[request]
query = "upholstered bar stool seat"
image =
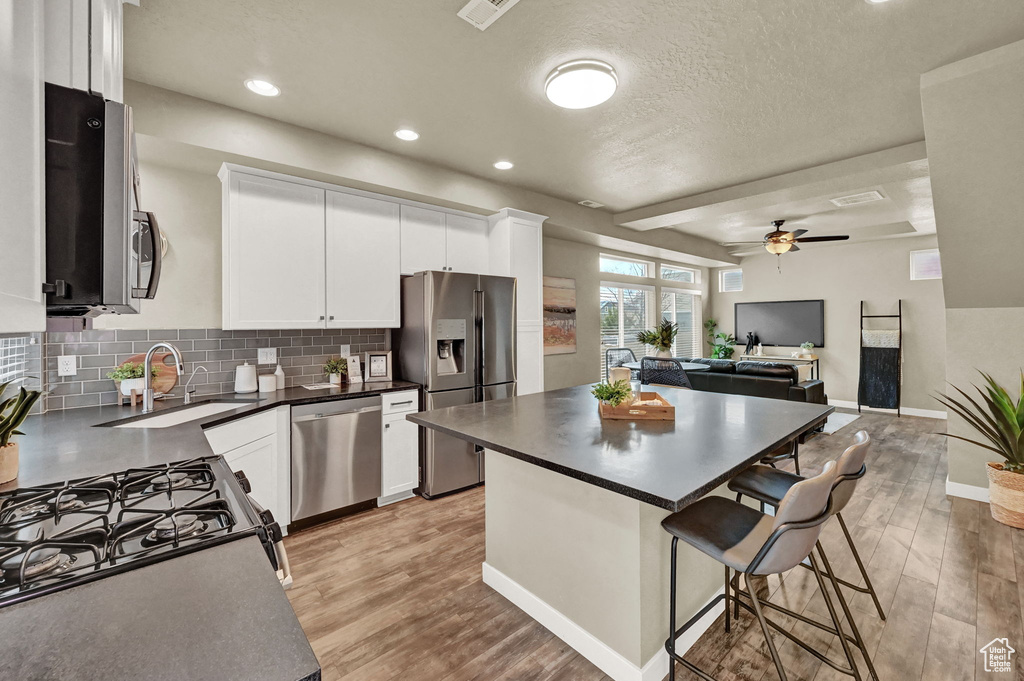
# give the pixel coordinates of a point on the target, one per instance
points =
(764, 483)
(730, 533)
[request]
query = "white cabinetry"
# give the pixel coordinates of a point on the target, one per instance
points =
(260, 447)
(400, 446)
(84, 46)
(437, 240)
(273, 259)
(363, 249)
(516, 250)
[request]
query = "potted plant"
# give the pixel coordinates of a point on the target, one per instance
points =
(612, 394)
(336, 368)
(806, 347)
(1000, 420)
(661, 338)
(132, 376)
(721, 343)
(13, 412)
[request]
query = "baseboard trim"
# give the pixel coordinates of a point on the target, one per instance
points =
(906, 411)
(607, 660)
(959, 489)
(395, 498)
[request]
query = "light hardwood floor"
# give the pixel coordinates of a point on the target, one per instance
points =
(396, 592)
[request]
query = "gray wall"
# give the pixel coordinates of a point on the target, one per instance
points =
(877, 272)
(974, 126)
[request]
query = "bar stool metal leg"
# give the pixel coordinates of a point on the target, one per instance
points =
(849, 615)
(860, 565)
(752, 590)
(727, 622)
(835, 618)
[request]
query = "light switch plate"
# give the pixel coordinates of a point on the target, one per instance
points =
(67, 365)
(345, 350)
(266, 356)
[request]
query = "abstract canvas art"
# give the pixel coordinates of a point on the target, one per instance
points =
(559, 316)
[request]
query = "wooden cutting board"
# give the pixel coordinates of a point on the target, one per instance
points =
(168, 378)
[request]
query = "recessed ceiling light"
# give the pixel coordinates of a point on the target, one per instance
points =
(875, 2)
(581, 84)
(406, 134)
(262, 87)
(504, 165)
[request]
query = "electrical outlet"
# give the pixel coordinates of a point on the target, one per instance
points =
(345, 350)
(266, 356)
(67, 365)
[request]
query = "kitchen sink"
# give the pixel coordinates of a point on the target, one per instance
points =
(184, 415)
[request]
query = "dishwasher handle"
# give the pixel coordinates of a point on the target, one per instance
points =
(327, 415)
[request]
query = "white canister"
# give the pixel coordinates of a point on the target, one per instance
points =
(279, 377)
(616, 374)
(268, 383)
(245, 378)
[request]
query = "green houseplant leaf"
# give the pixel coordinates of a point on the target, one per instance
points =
(14, 411)
(611, 393)
(996, 416)
(660, 338)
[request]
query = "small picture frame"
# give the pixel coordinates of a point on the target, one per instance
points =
(355, 374)
(378, 366)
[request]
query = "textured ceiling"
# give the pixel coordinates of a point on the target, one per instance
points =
(712, 92)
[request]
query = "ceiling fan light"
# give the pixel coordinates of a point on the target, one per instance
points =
(778, 247)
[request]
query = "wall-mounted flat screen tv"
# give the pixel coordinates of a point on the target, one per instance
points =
(786, 323)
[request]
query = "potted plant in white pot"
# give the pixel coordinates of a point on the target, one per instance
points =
(1000, 420)
(336, 369)
(661, 338)
(13, 412)
(806, 347)
(132, 376)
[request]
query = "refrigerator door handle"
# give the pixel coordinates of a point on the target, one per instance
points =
(479, 315)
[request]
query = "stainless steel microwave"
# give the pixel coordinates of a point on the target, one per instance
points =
(102, 252)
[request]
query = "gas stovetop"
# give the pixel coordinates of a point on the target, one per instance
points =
(65, 534)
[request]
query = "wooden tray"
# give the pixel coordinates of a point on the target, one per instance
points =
(627, 412)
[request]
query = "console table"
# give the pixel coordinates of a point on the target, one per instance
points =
(804, 359)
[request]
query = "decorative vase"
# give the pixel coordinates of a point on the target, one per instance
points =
(8, 462)
(335, 379)
(130, 384)
(663, 353)
(1006, 495)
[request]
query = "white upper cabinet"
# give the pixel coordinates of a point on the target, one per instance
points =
(84, 46)
(363, 256)
(424, 241)
(468, 248)
(273, 254)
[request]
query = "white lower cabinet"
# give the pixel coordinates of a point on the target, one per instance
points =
(400, 447)
(259, 446)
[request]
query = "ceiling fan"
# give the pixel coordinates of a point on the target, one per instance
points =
(779, 242)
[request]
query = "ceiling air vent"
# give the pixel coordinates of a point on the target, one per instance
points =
(591, 204)
(857, 199)
(483, 13)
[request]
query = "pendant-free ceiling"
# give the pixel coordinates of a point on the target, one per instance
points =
(581, 84)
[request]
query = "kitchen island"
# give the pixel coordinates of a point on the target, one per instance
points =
(574, 507)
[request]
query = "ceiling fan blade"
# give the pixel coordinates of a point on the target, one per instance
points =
(793, 249)
(743, 243)
(795, 233)
(811, 239)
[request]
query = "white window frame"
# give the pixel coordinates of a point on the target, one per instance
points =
(928, 251)
(648, 264)
(721, 280)
(691, 270)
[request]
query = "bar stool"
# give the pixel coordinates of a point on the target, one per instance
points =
(752, 543)
(769, 486)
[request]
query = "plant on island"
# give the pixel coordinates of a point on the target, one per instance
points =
(660, 338)
(612, 394)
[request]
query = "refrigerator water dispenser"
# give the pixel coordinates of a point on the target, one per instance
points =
(451, 346)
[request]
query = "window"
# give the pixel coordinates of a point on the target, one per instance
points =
(613, 264)
(730, 281)
(925, 265)
(13, 358)
(680, 274)
(684, 308)
(625, 312)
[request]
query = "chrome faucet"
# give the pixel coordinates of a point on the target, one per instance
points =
(190, 390)
(147, 394)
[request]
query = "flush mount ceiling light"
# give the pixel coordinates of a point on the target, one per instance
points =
(875, 2)
(262, 87)
(406, 134)
(581, 84)
(504, 165)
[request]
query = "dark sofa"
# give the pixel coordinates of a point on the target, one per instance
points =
(777, 380)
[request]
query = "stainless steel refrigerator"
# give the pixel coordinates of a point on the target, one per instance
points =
(458, 340)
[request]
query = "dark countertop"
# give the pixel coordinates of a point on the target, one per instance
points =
(63, 445)
(663, 463)
(154, 623)
(216, 613)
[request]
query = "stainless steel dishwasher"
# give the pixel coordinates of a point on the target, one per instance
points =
(335, 455)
